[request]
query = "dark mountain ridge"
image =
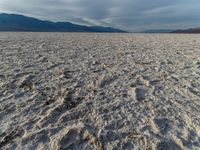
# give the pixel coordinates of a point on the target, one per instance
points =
(191, 30)
(14, 22)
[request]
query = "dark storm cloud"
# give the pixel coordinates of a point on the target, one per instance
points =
(132, 15)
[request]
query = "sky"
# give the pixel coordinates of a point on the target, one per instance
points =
(130, 15)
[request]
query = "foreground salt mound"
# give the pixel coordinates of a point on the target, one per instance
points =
(99, 91)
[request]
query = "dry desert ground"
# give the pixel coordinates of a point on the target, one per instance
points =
(103, 91)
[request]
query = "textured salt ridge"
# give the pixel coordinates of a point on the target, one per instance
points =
(99, 91)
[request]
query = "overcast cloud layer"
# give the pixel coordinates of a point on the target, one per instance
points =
(132, 15)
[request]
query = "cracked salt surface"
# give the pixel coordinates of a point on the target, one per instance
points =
(99, 91)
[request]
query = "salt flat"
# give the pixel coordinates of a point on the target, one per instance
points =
(99, 91)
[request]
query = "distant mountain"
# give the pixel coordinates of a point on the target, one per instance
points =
(158, 31)
(14, 22)
(192, 30)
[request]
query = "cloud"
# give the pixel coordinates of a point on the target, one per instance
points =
(133, 15)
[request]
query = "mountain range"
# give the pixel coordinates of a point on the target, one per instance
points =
(15, 22)
(192, 30)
